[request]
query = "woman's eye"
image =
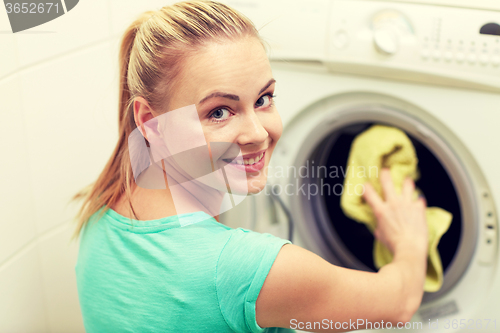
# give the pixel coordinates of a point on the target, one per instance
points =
(265, 100)
(220, 115)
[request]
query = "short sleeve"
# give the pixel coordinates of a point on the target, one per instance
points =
(242, 268)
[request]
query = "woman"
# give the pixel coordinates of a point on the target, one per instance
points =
(152, 258)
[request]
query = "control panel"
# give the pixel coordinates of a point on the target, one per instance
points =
(423, 42)
(438, 42)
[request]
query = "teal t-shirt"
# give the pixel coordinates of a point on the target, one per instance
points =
(184, 273)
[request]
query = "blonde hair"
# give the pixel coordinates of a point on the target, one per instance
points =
(151, 53)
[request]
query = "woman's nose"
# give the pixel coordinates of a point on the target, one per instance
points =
(252, 130)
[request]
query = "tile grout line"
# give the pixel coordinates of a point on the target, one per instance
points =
(32, 243)
(44, 289)
(56, 57)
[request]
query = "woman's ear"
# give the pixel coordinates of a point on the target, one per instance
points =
(143, 114)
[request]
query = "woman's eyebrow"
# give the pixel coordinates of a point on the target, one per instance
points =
(267, 86)
(233, 97)
(220, 94)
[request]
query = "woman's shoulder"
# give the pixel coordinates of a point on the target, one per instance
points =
(247, 241)
(147, 205)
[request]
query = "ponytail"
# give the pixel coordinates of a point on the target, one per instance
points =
(107, 188)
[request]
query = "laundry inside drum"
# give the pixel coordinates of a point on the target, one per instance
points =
(355, 241)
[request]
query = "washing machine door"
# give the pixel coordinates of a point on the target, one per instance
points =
(319, 141)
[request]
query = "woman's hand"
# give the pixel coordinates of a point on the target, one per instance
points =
(302, 287)
(401, 220)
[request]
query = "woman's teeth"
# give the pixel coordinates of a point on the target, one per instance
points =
(248, 161)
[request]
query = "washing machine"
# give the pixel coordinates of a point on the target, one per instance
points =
(431, 69)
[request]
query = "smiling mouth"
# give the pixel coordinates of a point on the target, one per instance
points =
(245, 161)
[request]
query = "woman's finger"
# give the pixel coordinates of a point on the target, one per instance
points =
(408, 189)
(372, 198)
(387, 184)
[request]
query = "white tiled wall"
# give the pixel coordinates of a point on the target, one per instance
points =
(18, 225)
(59, 105)
(22, 299)
(8, 51)
(9, 63)
(87, 24)
(124, 12)
(57, 256)
(68, 106)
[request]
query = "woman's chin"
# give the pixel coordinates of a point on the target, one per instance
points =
(251, 186)
(256, 185)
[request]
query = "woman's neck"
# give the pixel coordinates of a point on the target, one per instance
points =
(158, 196)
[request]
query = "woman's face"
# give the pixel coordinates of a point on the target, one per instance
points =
(232, 87)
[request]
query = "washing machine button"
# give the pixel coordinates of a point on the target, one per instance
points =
(495, 60)
(472, 58)
(425, 54)
(436, 55)
(448, 56)
(460, 57)
(484, 59)
(487, 253)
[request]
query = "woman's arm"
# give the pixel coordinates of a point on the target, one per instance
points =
(301, 287)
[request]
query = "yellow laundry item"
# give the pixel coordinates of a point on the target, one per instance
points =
(388, 147)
